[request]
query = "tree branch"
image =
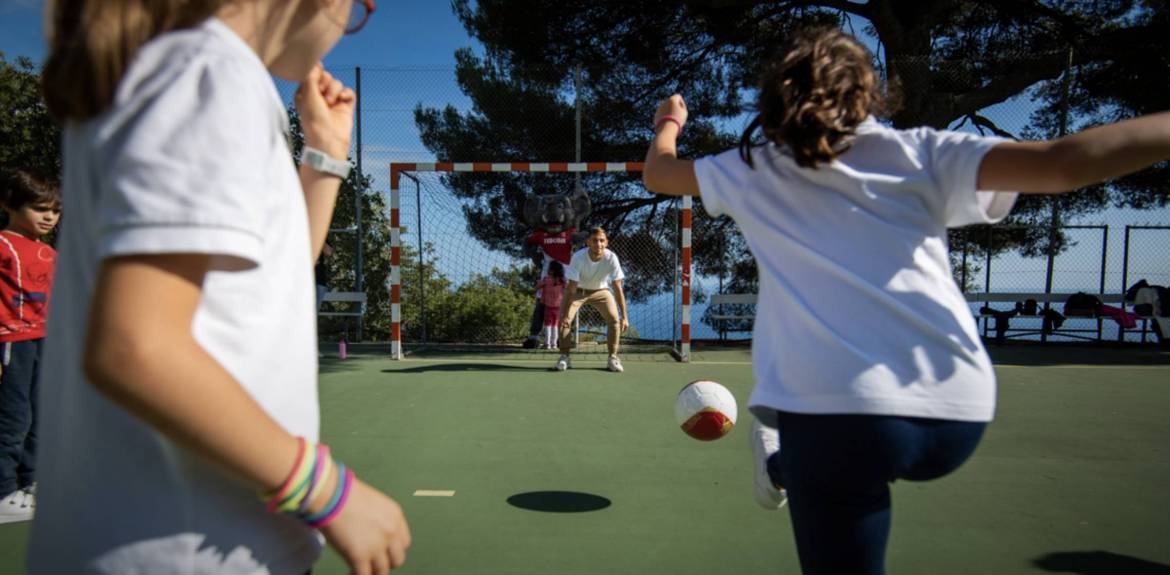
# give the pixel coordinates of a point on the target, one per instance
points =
(984, 122)
(1004, 87)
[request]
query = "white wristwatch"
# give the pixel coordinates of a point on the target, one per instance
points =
(321, 162)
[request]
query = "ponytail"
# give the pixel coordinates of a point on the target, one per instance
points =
(92, 42)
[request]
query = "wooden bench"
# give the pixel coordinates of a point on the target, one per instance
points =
(356, 301)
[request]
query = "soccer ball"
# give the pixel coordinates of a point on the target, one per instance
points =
(705, 410)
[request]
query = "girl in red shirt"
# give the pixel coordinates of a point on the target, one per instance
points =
(552, 291)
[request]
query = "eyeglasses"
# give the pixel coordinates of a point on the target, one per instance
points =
(359, 15)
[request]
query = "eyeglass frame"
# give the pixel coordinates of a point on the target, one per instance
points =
(369, 7)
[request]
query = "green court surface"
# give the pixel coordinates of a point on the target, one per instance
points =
(586, 472)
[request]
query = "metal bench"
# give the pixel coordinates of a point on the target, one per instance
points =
(1047, 301)
(731, 299)
(349, 297)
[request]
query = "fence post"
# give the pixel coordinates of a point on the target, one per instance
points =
(987, 270)
(686, 279)
(676, 304)
(357, 197)
(963, 267)
(422, 290)
(1054, 224)
(1124, 274)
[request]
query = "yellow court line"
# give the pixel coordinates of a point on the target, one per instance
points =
(433, 493)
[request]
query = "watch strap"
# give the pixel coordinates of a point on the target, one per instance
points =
(324, 163)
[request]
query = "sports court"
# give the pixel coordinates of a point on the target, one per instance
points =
(586, 472)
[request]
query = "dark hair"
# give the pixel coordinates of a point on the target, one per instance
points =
(813, 95)
(556, 270)
(19, 188)
(598, 230)
(92, 42)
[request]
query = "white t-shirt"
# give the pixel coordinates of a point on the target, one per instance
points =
(591, 274)
(192, 158)
(858, 311)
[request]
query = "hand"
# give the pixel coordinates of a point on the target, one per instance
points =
(371, 533)
(326, 108)
(566, 324)
(625, 324)
(674, 107)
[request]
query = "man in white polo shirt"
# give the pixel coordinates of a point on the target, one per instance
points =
(591, 273)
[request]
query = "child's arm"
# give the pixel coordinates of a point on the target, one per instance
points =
(326, 111)
(1071, 162)
(141, 354)
(663, 172)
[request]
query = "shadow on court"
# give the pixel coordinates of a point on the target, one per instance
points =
(1108, 353)
(559, 501)
(465, 367)
(1098, 563)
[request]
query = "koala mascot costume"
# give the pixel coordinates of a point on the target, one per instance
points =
(554, 220)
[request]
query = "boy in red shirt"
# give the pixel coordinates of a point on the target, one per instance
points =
(26, 278)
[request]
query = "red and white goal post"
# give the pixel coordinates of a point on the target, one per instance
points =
(682, 345)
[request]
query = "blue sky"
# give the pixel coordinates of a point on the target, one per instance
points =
(419, 33)
(418, 38)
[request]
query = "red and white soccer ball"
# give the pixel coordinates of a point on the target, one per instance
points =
(705, 410)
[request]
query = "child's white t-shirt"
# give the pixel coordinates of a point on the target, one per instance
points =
(593, 275)
(858, 311)
(192, 158)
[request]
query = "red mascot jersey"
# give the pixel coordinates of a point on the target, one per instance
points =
(26, 277)
(558, 246)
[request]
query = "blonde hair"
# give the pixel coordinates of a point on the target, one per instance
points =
(92, 42)
(813, 96)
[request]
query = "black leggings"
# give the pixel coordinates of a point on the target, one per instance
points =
(837, 470)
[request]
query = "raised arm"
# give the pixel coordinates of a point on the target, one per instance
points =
(326, 110)
(663, 173)
(1078, 160)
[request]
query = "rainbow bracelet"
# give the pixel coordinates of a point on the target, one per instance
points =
(337, 503)
(294, 483)
(320, 478)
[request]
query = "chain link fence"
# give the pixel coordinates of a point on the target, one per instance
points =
(447, 255)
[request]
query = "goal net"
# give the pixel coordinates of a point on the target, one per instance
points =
(461, 275)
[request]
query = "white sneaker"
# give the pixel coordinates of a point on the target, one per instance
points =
(765, 442)
(17, 506)
(563, 363)
(615, 364)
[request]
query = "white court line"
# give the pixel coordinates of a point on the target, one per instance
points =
(433, 493)
(1084, 366)
(576, 359)
(700, 362)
